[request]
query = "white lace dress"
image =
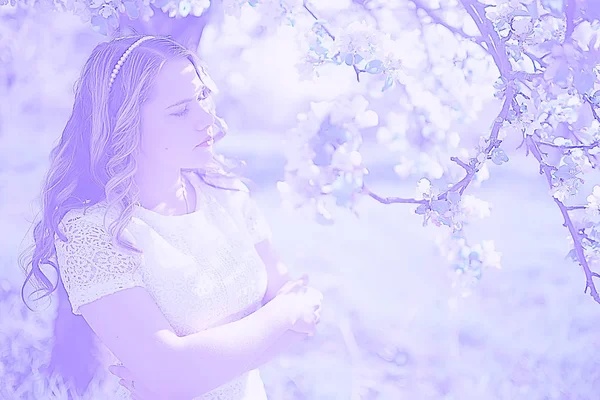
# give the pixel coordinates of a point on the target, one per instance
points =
(202, 268)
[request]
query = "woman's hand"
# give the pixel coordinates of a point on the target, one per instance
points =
(304, 304)
(137, 390)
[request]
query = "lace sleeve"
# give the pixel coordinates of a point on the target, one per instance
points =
(90, 265)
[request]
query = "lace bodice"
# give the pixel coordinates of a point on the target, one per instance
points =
(202, 268)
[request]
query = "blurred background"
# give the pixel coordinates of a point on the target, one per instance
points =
(393, 327)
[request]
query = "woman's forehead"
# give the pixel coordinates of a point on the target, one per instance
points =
(179, 76)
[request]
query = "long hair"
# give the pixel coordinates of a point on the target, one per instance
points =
(94, 161)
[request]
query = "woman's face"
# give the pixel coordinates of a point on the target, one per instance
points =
(176, 122)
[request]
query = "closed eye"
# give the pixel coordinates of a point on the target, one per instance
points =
(205, 92)
(182, 113)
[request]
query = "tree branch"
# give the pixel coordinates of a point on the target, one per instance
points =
(576, 146)
(466, 167)
(459, 32)
(546, 169)
(305, 5)
(570, 14)
(535, 59)
(496, 47)
(391, 200)
(501, 58)
(592, 107)
(187, 31)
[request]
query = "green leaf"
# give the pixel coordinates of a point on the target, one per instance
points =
(319, 50)
(440, 206)
(563, 172)
(561, 77)
(584, 81)
(570, 161)
(389, 82)
(352, 59)
(445, 221)
(572, 255)
(99, 24)
(596, 97)
(337, 59)
(532, 9)
(555, 6)
(113, 22)
(422, 209)
(349, 59)
(453, 197)
(131, 9)
(374, 67)
(499, 157)
(521, 13)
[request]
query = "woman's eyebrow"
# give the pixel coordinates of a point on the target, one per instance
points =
(180, 102)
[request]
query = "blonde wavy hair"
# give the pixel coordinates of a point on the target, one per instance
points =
(94, 160)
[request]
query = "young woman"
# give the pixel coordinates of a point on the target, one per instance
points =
(160, 249)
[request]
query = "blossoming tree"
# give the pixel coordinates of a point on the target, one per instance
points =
(543, 56)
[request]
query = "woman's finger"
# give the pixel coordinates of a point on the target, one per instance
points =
(294, 285)
(304, 279)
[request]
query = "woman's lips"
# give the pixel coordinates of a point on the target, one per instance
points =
(208, 142)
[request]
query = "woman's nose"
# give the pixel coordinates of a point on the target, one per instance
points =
(204, 121)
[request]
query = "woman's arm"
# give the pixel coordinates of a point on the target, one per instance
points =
(277, 272)
(278, 276)
(181, 367)
(282, 344)
(275, 344)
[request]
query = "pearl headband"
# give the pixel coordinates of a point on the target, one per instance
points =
(117, 67)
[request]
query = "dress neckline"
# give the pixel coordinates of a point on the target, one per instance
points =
(200, 194)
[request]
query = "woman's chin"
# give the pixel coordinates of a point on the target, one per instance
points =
(201, 157)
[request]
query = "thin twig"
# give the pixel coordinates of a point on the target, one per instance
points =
(576, 146)
(535, 59)
(435, 18)
(568, 223)
(592, 107)
(391, 200)
(466, 167)
(570, 16)
(305, 5)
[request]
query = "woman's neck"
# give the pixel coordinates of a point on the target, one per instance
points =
(165, 191)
